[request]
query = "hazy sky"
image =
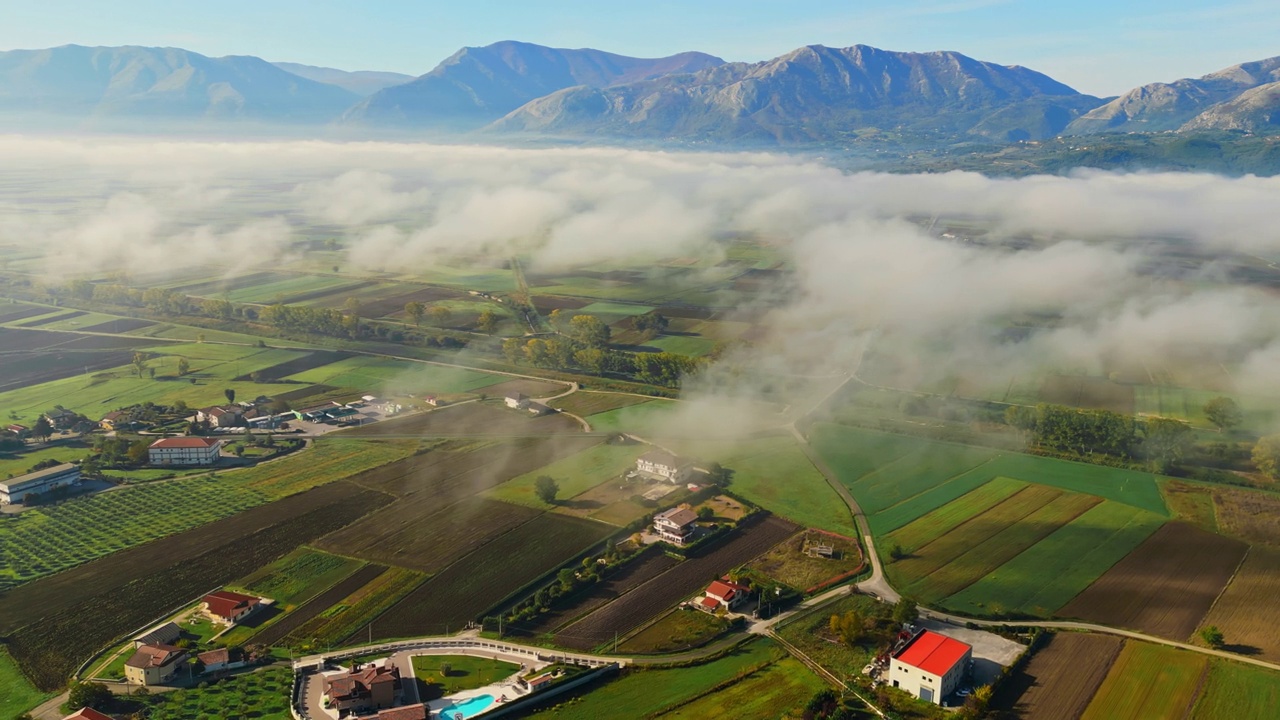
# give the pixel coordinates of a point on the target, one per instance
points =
(1097, 46)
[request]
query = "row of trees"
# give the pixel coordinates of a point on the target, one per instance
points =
(563, 353)
(1162, 441)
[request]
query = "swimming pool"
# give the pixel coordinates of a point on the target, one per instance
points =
(467, 708)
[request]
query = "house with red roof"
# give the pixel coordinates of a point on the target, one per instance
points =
(228, 607)
(722, 594)
(930, 666)
(371, 687)
(87, 713)
(184, 451)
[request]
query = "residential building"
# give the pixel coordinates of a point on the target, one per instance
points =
(221, 659)
(22, 431)
(113, 418)
(190, 450)
(221, 415)
(371, 687)
(154, 664)
(228, 607)
(729, 595)
(537, 409)
(61, 419)
(517, 401)
(664, 465)
(930, 666)
(676, 525)
(166, 634)
(14, 491)
(87, 714)
(538, 682)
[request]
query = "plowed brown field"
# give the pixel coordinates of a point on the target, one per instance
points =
(1248, 613)
(1060, 679)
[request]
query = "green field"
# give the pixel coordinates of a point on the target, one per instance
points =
(465, 672)
(270, 292)
(774, 473)
(17, 695)
(43, 541)
(12, 465)
(694, 346)
(646, 693)
(928, 527)
(644, 418)
(374, 374)
(299, 575)
(1235, 691)
(769, 693)
(897, 479)
(1148, 681)
(1048, 574)
(576, 474)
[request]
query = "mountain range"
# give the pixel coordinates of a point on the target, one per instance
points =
(814, 95)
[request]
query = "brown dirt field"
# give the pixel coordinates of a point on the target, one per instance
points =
(1060, 679)
(51, 319)
(679, 583)
(1165, 586)
(470, 419)
(1248, 613)
(318, 604)
(51, 340)
(546, 303)
(624, 580)
(19, 370)
(119, 325)
(532, 388)
(302, 363)
(1248, 514)
(11, 313)
(1087, 392)
(590, 403)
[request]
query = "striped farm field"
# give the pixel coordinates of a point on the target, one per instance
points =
(1236, 691)
(1149, 681)
(1048, 574)
(1248, 612)
(950, 516)
(977, 560)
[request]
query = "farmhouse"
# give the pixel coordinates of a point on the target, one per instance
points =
(371, 687)
(723, 594)
(113, 418)
(166, 634)
(930, 666)
(664, 465)
(228, 607)
(517, 401)
(537, 409)
(61, 419)
(221, 415)
(154, 664)
(87, 713)
(185, 451)
(14, 491)
(22, 431)
(676, 525)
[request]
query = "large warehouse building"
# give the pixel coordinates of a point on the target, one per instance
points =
(930, 666)
(14, 491)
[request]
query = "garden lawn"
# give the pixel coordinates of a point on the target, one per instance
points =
(1148, 681)
(17, 695)
(465, 672)
(1236, 691)
(1047, 575)
(575, 474)
(645, 693)
(767, 693)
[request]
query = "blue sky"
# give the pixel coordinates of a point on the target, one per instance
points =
(1096, 46)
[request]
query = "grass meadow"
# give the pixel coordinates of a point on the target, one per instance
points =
(17, 694)
(772, 691)
(1235, 691)
(575, 474)
(380, 375)
(1148, 681)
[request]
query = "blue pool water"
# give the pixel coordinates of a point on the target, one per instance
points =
(467, 708)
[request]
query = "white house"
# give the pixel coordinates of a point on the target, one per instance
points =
(723, 594)
(930, 666)
(517, 401)
(41, 481)
(675, 526)
(664, 465)
(221, 416)
(184, 451)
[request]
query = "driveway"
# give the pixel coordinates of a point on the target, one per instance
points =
(991, 653)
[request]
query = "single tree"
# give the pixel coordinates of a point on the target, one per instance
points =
(140, 362)
(230, 394)
(184, 367)
(42, 429)
(439, 315)
(1223, 412)
(152, 373)
(416, 311)
(589, 330)
(513, 350)
(905, 611)
(706, 513)
(487, 322)
(1211, 636)
(546, 488)
(88, 695)
(1165, 441)
(1266, 455)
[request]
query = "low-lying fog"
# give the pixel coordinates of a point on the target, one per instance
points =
(1119, 270)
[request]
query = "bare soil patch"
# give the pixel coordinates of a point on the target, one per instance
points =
(302, 363)
(19, 370)
(532, 388)
(1165, 586)
(119, 325)
(1060, 679)
(52, 319)
(476, 419)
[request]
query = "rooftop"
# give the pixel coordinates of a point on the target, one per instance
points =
(662, 457)
(933, 653)
(39, 476)
(150, 656)
(679, 516)
(185, 442)
(87, 714)
(224, 603)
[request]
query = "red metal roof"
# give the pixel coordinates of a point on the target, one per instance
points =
(185, 442)
(87, 714)
(224, 603)
(933, 653)
(726, 590)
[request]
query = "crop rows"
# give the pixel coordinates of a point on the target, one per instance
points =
(1060, 679)
(352, 614)
(950, 516)
(318, 604)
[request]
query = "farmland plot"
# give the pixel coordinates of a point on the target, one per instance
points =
(679, 583)
(625, 579)
(1236, 691)
(1165, 586)
(318, 604)
(1060, 679)
(478, 581)
(1148, 681)
(299, 575)
(583, 403)
(1248, 612)
(470, 419)
(575, 474)
(353, 613)
(18, 370)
